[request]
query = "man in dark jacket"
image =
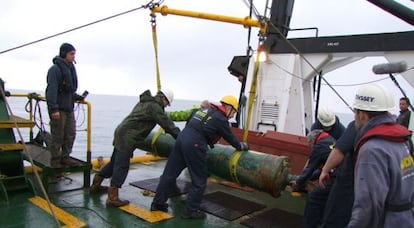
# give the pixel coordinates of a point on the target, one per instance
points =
(338, 207)
(329, 122)
(62, 83)
(322, 144)
(204, 129)
(404, 116)
(129, 135)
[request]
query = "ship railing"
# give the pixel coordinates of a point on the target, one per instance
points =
(36, 101)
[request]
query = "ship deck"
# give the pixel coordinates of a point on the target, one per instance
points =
(76, 207)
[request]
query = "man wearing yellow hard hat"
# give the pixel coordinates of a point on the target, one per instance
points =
(203, 129)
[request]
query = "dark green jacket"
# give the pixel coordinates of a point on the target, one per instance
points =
(133, 130)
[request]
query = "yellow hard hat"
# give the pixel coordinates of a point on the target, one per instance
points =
(230, 100)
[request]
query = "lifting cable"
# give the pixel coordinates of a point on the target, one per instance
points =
(76, 28)
(155, 42)
(240, 118)
(235, 156)
(234, 159)
(253, 88)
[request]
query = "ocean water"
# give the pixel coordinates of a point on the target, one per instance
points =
(107, 111)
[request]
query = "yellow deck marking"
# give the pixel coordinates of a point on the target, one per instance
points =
(64, 217)
(147, 215)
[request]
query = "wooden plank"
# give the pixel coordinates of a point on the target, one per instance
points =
(147, 215)
(64, 217)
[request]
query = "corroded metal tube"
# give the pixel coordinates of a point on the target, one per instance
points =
(264, 172)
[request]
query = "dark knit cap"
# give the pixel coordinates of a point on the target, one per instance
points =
(65, 48)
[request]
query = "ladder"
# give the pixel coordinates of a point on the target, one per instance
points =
(12, 173)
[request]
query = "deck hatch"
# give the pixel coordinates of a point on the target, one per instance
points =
(151, 185)
(274, 218)
(227, 206)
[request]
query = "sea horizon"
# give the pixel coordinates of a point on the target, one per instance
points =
(107, 112)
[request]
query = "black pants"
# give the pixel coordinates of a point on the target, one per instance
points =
(338, 208)
(315, 205)
(191, 152)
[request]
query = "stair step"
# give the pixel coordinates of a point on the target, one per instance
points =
(21, 122)
(11, 146)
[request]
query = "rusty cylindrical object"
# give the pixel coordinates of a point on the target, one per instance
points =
(264, 172)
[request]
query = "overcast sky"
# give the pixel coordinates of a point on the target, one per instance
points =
(117, 56)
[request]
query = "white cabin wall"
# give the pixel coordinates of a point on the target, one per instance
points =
(272, 88)
(277, 85)
(295, 111)
(286, 81)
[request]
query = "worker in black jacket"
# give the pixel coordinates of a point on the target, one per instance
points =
(204, 129)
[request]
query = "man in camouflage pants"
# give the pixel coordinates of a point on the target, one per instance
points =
(129, 135)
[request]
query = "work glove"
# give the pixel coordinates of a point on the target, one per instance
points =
(244, 146)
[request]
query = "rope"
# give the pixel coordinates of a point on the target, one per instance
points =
(76, 28)
(30, 157)
(234, 159)
(159, 132)
(253, 88)
(154, 39)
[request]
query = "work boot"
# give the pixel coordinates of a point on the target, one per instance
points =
(113, 199)
(159, 207)
(68, 162)
(96, 185)
(193, 214)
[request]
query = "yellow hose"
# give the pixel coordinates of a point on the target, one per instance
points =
(99, 162)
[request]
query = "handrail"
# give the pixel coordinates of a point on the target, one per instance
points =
(89, 121)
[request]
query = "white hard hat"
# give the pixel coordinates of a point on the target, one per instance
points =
(374, 97)
(326, 116)
(168, 94)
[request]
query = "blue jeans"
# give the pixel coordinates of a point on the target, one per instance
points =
(117, 168)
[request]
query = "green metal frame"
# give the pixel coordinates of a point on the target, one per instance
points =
(13, 176)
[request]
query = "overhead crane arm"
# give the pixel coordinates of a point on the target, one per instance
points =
(246, 21)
